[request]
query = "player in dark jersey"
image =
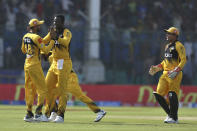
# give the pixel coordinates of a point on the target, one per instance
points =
(170, 80)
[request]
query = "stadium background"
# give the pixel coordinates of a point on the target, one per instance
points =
(131, 39)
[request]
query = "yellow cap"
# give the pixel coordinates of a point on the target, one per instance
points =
(35, 22)
(172, 30)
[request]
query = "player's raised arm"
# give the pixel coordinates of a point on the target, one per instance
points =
(42, 46)
(46, 39)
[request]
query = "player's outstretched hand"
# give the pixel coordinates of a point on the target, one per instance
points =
(154, 69)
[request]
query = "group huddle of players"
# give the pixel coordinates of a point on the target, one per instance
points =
(60, 79)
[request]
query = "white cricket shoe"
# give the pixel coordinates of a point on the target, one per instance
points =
(100, 115)
(171, 120)
(59, 119)
(167, 117)
(28, 119)
(52, 116)
(41, 118)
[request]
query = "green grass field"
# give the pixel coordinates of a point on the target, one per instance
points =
(117, 119)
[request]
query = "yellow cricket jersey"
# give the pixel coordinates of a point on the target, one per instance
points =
(50, 59)
(174, 56)
(31, 46)
(61, 49)
(46, 39)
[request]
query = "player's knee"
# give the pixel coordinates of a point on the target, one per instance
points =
(176, 91)
(172, 95)
(160, 93)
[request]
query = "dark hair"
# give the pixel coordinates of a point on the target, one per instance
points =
(61, 17)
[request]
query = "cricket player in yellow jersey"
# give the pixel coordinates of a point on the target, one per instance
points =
(60, 69)
(170, 80)
(32, 43)
(73, 88)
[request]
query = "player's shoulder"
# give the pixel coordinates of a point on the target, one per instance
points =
(179, 44)
(36, 38)
(26, 35)
(67, 32)
(31, 35)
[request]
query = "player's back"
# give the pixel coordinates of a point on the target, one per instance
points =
(30, 48)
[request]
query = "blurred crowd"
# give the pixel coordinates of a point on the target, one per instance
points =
(132, 36)
(154, 15)
(17, 13)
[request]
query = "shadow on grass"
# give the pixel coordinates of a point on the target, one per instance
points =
(127, 124)
(112, 123)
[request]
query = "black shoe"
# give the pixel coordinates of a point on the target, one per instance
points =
(29, 117)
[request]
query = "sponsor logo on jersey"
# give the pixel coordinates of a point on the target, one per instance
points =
(171, 48)
(168, 55)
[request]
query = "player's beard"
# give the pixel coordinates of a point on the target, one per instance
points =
(58, 28)
(38, 30)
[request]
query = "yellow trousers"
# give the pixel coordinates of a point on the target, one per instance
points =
(58, 77)
(167, 84)
(75, 90)
(35, 84)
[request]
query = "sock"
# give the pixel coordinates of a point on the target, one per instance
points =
(94, 107)
(30, 114)
(59, 113)
(39, 110)
(174, 105)
(160, 99)
(55, 108)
